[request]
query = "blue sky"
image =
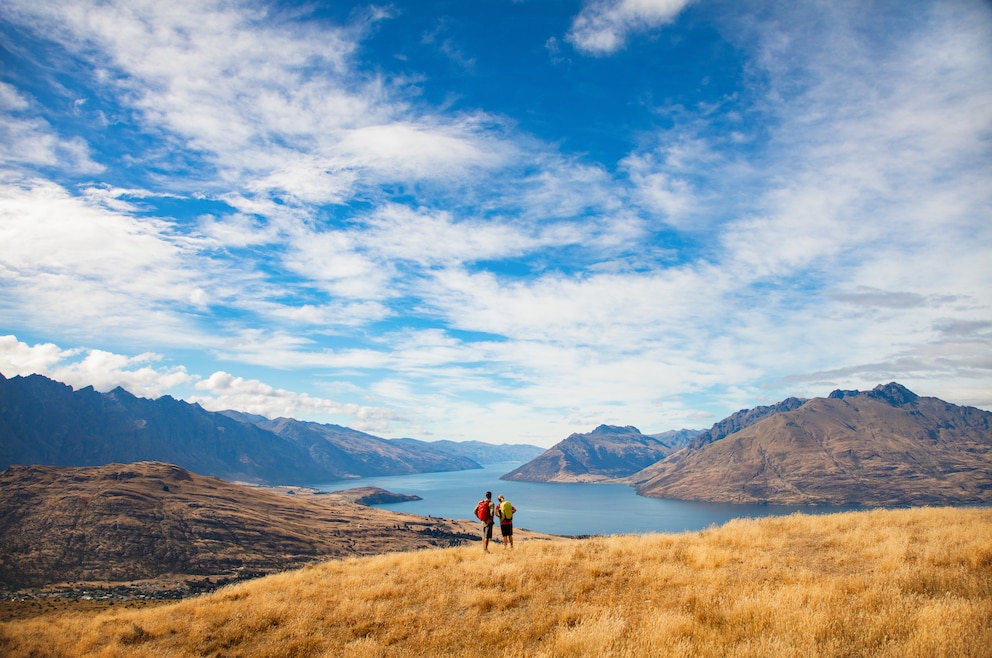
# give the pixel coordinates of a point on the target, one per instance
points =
(497, 220)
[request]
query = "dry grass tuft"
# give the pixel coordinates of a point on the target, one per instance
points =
(900, 583)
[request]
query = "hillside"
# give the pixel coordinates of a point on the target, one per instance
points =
(46, 422)
(732, 423)
(606, 453)
(148, 520)
(908, 583)
(887, 446)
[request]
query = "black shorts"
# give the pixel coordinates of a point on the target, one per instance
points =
(487, 530)
(506, 529)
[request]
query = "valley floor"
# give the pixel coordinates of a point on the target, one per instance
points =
(912, 582)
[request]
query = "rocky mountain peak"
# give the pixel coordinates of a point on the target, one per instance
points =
(892, 393)
(616, 429)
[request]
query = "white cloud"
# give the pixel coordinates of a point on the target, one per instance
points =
(332, 261)
(398, 232)
(45, 228)
(659, 190)
(27, 140)
(284, 350)
(603, 26)
(878, 155)
(69, 262)
(237, 84)
(17, 358)
(104, 371)
(225, 391)
(330, 318)
(97, 368)
(402, 150)
(238, 230)
(600, 310)
(561, 188)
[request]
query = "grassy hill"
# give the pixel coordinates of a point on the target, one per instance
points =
(915, 582)
(149, 520)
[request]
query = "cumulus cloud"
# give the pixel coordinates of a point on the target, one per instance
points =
(80, 367)
(17, 358)
(105, 370)
(603, 26)
(143, 375)
(224, 391)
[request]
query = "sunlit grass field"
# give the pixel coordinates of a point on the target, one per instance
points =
(915, 582)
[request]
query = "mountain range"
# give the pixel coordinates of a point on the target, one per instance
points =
(606, 453)
(480, 451)
(887, 446)
(43, 421)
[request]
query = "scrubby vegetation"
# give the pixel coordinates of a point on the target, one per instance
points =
(914, 582)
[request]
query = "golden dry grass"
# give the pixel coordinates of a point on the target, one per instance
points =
(914, 582)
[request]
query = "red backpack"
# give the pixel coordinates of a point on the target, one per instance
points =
(484, 511)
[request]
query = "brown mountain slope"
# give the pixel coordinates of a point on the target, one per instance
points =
(881, 447)
(148, 519)
(732, 423)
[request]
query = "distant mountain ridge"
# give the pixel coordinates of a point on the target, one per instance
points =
(484, 453)
(349, 451)
(43, 421)
(677, 439)
(606, 453)
(46, 422)
(887, 446)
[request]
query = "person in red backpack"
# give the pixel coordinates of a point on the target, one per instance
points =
(485, 511)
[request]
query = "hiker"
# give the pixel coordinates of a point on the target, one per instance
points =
(505, 511)
(485, 511)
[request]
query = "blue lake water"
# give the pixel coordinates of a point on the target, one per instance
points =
(561, 509)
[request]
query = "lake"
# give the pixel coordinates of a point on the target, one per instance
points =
(561, 509)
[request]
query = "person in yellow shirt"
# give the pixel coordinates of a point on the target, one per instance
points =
(505, 511)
